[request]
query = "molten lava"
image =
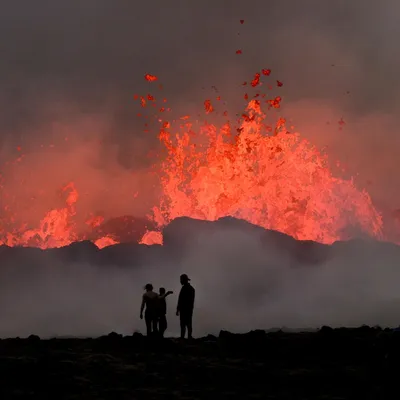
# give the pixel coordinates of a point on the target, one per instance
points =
(55, 229)
(246, 169)
(278, 181)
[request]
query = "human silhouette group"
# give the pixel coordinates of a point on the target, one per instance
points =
(154, 306)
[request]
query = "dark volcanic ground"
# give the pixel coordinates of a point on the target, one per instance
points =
(329, 364)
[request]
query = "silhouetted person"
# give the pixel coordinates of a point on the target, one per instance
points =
(150, 300)
(185, 306)
(162, 309)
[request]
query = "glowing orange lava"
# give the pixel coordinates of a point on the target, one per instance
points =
(248, 170)
(276, 180)
(56, 228)
(152, 237)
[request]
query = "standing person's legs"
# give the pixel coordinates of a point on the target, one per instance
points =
(183, 325)
(148, 320)
(189, 325)
(186, 323)
(158, 324)
(162, 324)
(154, 322)
(165, 322)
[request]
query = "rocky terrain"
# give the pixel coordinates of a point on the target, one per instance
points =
(328, 364)
(82, 290)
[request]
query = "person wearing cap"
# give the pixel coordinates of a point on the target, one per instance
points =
(185, 306)
(150, 300)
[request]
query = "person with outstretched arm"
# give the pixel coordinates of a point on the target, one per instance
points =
(150, 301)
(185, 306)
(162, 310)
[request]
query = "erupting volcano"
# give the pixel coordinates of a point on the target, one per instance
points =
(270, 178)
(243, 168)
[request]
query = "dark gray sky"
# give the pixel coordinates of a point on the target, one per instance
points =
(71, 67)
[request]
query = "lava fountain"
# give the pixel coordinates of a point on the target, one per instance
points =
(262, 174)
(244, 168)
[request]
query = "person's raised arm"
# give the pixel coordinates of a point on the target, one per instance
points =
(163, 296)
(142, 306)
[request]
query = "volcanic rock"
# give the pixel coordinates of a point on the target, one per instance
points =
(125, 229)
(184, 234)
(347, 364)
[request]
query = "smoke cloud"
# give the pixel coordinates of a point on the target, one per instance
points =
(68, 74)
(240, 285)
(71, 69)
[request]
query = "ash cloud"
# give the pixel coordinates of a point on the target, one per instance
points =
(73, 61)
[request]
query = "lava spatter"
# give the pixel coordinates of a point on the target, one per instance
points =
(261, 174)
(248, 169)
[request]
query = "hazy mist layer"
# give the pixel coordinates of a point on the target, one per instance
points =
(240, 285)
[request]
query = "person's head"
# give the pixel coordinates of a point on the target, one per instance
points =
(184, 279)
(162, 290)
(149, 287)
